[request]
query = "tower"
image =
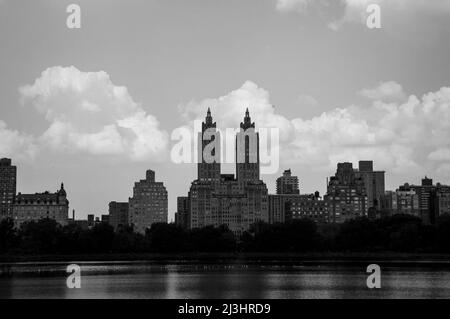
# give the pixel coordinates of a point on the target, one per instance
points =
(8, 177)
(209, 150)
(148, 204)
(373, 182)
(287, 184)
(247, 151)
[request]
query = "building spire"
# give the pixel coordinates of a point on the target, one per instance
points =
(247, 121)
(62, 191)
(208, 119)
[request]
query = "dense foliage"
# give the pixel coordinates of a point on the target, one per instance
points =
(400, 233)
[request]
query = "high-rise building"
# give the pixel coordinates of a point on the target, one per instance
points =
(277, 208)
(33, 207)
(118, 214)
(209, 151)
(221, 199)
(442, 201)
(373, 182)
(182, 214)
(8, 180)
(428, 199)
(346, 196)
(288, 204)
(426, 193)
(287, 184)
(148, 204)
(247, 151)
(403, 201)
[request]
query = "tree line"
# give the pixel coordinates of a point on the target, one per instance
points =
(399, 233)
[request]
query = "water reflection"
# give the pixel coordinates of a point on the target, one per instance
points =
(148, 280)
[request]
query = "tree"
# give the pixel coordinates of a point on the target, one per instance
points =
(443, 234)
(8, 236)
(41, 237)
(166, 238)
(212, 239)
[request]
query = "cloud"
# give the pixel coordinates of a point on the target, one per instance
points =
(354, 11)
(385, 91)
(401, 134)
(442, 154)
(228, 110)
(88, 113)
(16, 144)
(307, 101)
(292, 5)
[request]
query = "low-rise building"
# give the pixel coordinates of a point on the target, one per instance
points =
(309, 206)
(33, 207)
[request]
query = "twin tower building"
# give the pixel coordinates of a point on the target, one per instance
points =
(216, 199)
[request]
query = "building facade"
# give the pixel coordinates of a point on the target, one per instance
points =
(426, 192)
(403, 201)
(287, 184)
(426, 201)
(346, 196)
(309, 206)
(429, 196)
(118, 214)
(442, 202)
(223, 199)
(182, 214)
(8, 181)
(33, 207)
(373, 182)
(148, 204)
(277, 208)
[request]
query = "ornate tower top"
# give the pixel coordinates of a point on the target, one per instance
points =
(208, 116)
(247, 121)
(62, 191)
(208, 121)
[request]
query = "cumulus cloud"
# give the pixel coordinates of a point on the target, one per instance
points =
(292, 5)
(88, 113)
(354, 11)
(385, 91)
(307, 101)
(412, 134)
(229, 110)
(400, 135)
(16, 144)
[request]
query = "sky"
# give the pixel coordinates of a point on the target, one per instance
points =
(96, 107)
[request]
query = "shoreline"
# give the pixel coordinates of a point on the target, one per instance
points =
(236, 258)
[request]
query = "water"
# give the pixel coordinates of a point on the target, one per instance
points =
(150, 280)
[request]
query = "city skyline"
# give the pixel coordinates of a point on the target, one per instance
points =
(122, 83)
(290, 189)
